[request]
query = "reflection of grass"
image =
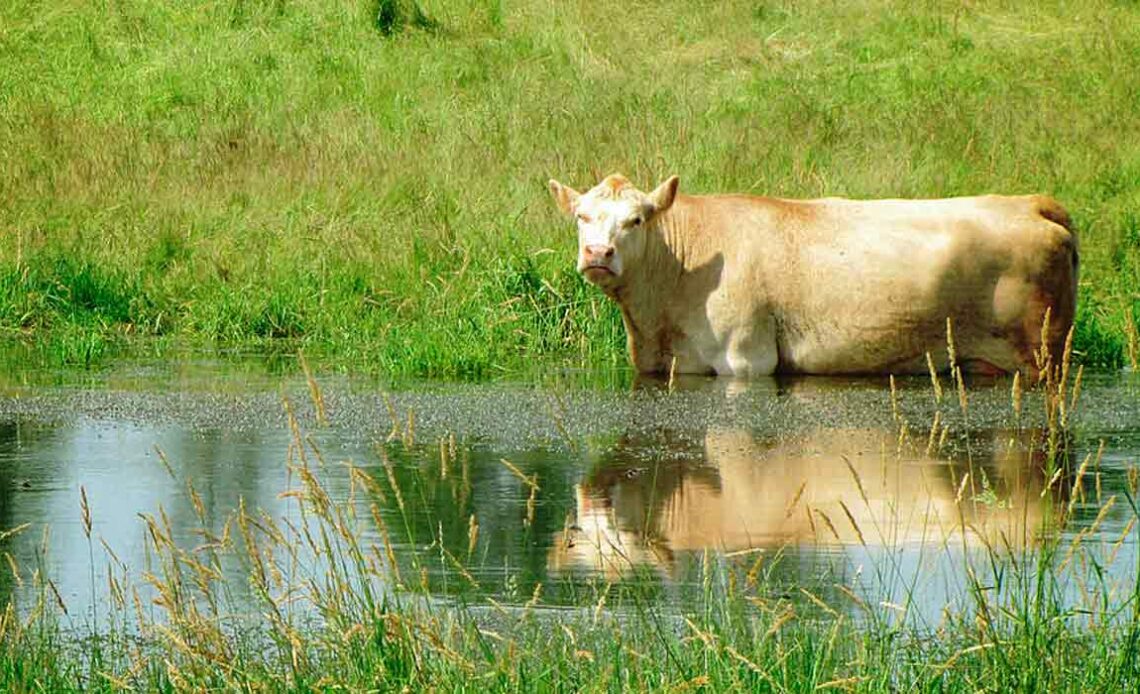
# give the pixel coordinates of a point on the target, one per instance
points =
(368, 177)
(334, 607)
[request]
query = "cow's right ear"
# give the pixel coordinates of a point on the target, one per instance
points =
(565, 196)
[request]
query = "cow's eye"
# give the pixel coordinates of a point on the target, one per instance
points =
(636, 221)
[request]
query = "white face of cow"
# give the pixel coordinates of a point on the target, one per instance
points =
(613, 219)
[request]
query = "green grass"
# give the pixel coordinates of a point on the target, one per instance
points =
(332, 608)
(368, 178)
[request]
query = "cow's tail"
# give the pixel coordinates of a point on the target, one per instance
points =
(1065, 272)
(1050, 209)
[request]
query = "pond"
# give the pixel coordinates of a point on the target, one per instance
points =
(558, 490)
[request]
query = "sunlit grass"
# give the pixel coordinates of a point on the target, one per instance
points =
(367, 178)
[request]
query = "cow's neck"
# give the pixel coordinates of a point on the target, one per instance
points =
(650, 290)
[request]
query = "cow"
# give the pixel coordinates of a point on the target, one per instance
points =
(745, 286)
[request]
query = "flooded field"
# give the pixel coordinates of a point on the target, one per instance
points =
(564, 490)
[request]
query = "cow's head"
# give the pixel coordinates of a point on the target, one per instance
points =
(613, 221)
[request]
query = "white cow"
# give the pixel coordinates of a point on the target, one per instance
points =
(734, 284)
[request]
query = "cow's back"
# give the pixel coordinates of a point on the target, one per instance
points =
(867, 286)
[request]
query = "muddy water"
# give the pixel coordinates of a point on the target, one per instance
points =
(574, 481)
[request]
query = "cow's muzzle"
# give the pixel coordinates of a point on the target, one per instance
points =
(598, 255)
(597, 261)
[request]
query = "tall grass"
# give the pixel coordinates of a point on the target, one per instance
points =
(367, 178)
(329, 605)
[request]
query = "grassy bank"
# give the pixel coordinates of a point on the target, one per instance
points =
(328, 606)
(367, 178)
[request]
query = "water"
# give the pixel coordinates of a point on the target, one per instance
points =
(831, 486)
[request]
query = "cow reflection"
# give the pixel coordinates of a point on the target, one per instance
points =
(730, 490)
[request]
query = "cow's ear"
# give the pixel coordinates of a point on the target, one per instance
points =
(565, 196)
(663, 195)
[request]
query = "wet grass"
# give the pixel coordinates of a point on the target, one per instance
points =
(367, 178)
(325, 603)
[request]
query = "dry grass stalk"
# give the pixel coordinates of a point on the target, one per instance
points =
(116, 591)
(1062, 383)
(85, 511)
(391, 473)
(530, 506)
(295, 436)
(15, 569)
(1015, 394)
(961, 488)
(895, 400)
(753, 574)
(58, 597)
(811, 522)
(1102, 514)
(828, 523)
(851, 518)
(389, 551)
(1077, 387)
(601, 603)
(1086, 532)
(950, 351)
(529, 480)
(473, 535)
(11, 532)
(932, 440)
(314, 390)
(819, 602)
(360, 476)
(1043, 358)
(315, 448)
(935, 382)
(395, 432)
(859, 602)
(457, 564)
(535, 597)
(9, 622)
(942, 439)
(558, 416)
(165, 462)
(963, 401)
(196, 501)
(786, 616)
(705, 637)
(1124, 534)
(1052, 480)
(1132, 336)
(846, 683)
(791, 507)
(1077, 491)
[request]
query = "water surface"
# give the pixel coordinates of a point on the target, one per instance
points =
(571, 485)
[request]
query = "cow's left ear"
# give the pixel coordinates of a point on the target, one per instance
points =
(565, 196)
(662, 196)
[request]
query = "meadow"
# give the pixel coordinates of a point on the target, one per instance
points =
(366, 180)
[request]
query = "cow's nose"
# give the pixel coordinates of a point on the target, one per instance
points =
(599, 252)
